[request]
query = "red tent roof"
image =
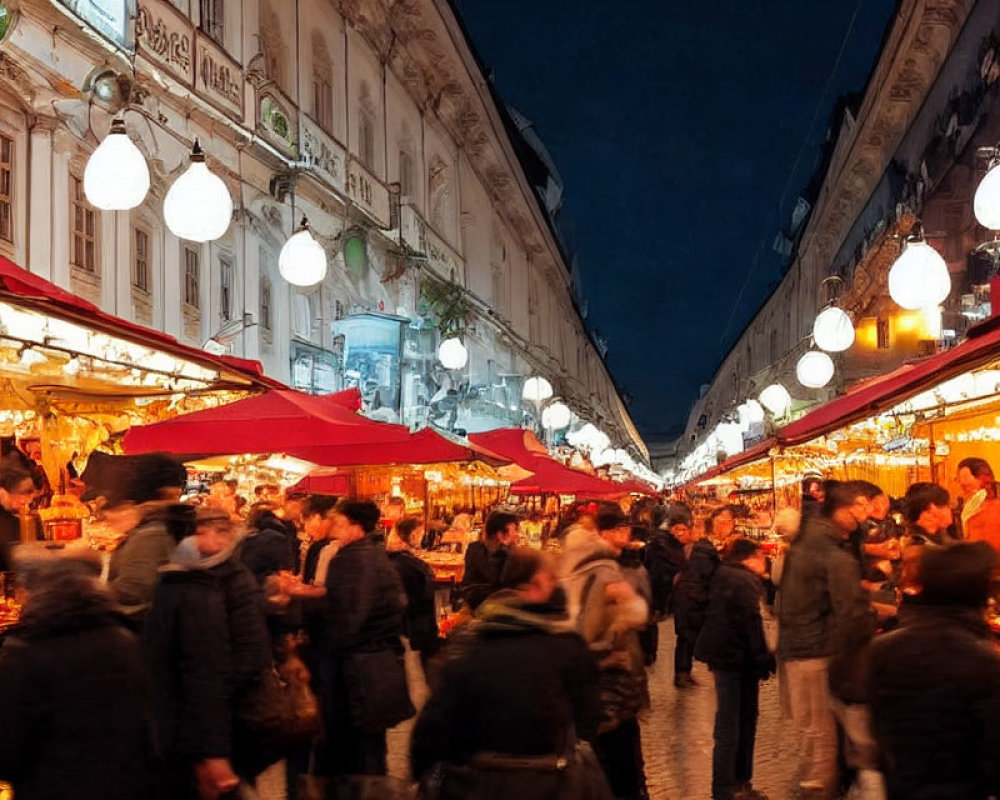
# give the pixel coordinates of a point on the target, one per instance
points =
(316, 428)
(27, 289)
(549, 475)
(874, 396)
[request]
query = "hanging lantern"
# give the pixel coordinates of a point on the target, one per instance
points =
(919, 277)
(452, 353)
(986, 203)
(833, 330)
(750, 412)
(814, 370)
(198, 206)
(302, 260)
(536, 390)
(116, 177)
(775, 398)
(556, 416)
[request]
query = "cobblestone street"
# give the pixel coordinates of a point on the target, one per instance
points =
(677, 735)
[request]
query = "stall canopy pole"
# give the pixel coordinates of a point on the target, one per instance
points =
(774, 491)
(930, 455)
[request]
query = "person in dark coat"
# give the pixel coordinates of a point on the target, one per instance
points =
(731, 642)
(518, 692)
(484, 560)
(74, 693)
(17, 490)
(825, 622)
(664, 558)
(420, 622)
(690, 602)
(207, 645)
(267, 549)
(934, 684)
(363, 679)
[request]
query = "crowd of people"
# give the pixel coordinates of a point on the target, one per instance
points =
(262, 651)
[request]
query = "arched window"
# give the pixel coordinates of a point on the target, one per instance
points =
(274, 46)
(322, 83)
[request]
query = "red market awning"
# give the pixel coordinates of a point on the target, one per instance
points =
(325, 480)
(882, 393)
(549, 476)
(24, 288)
(317, 428)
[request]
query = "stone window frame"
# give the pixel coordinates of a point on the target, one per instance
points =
(227, 273)
(140, 279)
(80, 235)
(191, 278)
(8, 165)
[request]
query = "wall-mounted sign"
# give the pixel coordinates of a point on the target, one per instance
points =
(327, 158)
(368, 193)
(111, 18)
(372, 344)
(276, 121)
(220, 78)
(443, 260)
(314, 370)
(166, 38)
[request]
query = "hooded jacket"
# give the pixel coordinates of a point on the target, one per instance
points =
(522, 685)
(74, 700)
(207, 644)
(732, 636)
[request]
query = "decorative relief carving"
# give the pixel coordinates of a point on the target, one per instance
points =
(165, 37)
(219, 77)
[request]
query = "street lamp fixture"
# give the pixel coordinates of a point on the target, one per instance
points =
(815, 369)
(833, 330)
(116, 177)
(302, 260)
(198, 206)
(919, 278)
(453, 354)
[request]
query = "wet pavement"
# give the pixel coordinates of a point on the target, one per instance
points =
(676, 733)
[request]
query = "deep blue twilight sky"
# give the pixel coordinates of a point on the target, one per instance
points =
(676, 126)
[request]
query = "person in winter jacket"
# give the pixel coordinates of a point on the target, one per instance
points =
(934, 684)
(17, 490)
(207, 645)
(484, 560)
(731, 642)
(690, 602)
(363, 680)
(825, 623)
(608, 612)
(519, 692)
(267, 548)
(980, 514)
(665, 557)
(74, 693)
(420, 621)
(154, 492)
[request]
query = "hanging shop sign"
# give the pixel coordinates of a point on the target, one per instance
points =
(372, 345)
(368, 193)
(111, 18)
(220, 78)
(165, 37)
(327, 159)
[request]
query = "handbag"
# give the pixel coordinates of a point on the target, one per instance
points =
(377, 695)
(278, 712)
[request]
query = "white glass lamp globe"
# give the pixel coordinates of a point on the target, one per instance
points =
(814, 370)
(452, 353)
(556, 416)
(775, 398)
(536, 390)
(833, 330)
(919, 277)
(198, 206)
(302, 260)
(116, 177)
(986, 203)
(750, 412)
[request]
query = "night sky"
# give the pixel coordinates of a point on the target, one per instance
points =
(677, 126)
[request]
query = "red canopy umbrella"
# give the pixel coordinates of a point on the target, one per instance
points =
(317, 428)
(325, 480)
(274, 422)
(555, 478)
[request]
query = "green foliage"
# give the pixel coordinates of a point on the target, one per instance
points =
(444, 304)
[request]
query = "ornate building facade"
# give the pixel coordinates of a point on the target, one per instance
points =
(911, 151)
(371, 118)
